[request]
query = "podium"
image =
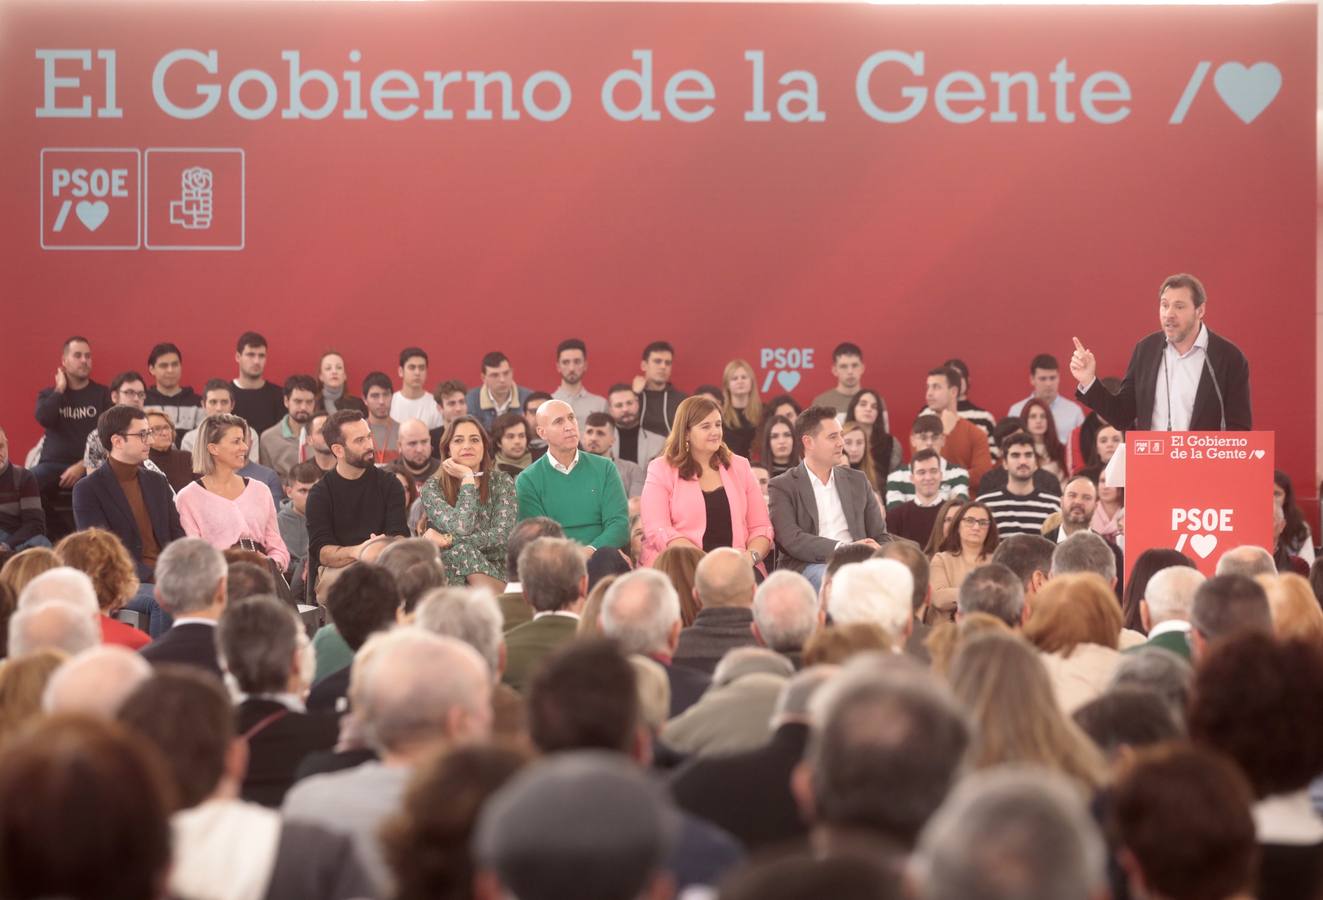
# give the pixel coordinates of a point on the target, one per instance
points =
(1199, 492)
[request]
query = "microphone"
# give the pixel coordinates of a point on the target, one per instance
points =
(1221, 404)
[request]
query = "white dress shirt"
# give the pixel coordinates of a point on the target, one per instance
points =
(832, 523)
(1178, 382)
(564, 470)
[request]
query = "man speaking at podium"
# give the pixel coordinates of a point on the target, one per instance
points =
(1182, 378)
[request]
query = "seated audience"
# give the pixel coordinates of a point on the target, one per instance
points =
(95, 682)
(946, 515)
(786, 612)
(498, 393)
(283, 443)
(514, 608)
(1076, 625)
(1123, 720)
(735, 713)
(22, 521)
(470, 507)
(834, 645)
(1160, 673)
(1054, 457)
(1256, 700)
(847, 367)
(385, 430)
(965, 445)
(856, 453)
(875, 590)
(412, 401)
(221, 506)
(1296, 614)
(741, 407)
(331, 381)
(416, 459)
(292, 520)
(926, 434)
(181, 403)
(1248, 560)
(554, 581)
(724, 588)
(1225, 605)
(1165, 609)
(1296, 537)
(993, 589)
(509, 435)
(778, 449)
(914, 518)
(970, 543)
(868, 409)
(947, 639)
(1019, 507)
(975, 414)
(1029, 556)
(679, 564)
(218, 400)
(23, 681)
(795, 876)
(364, 600)
(175, 465)
(632, 442)
(100, 555)
(1109, 515)
(820, 505)
(68, 413)
(911, 555)
(190, 587)
(1005, 689)
(1147, 564)
(598, 437)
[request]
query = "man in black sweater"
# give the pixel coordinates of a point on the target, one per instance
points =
(355, 501)
(68, 411)
(258, 401)
(184, 406)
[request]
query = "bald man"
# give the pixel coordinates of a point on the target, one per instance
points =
(579, 490)
(416, 458)
(96, 682)
(724, 587)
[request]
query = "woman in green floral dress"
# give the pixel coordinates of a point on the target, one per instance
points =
(470, 507)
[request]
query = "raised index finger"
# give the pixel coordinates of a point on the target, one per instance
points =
(1078, 345)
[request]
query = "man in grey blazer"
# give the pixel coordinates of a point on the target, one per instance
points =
(818, 505)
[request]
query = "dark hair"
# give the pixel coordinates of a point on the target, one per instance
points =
(116, 420)
(1016, 439)
(1296, 531)
(880, 441)
(1183, 280)
(84, 808)
(847, 554)
(712, 391)
(250, 339)
(448, 387)
(335, 422)
(810, 422)
(524, 533)
(1044, 361)
(256, 638)
(845, 348)
(951, 375)
(677, 452)
(911, 555)
(504, 422)
(1025, 554)
(186, 714)
(1225, 604)
(76, 339)
(246, 579)
(1127, 717)
(599, 420)
(492, 360)
(618, 388)
(124, 377)
(571, 344)
(301, 383)
(781, 400)
(924, 455)
(765, 444)
(449, 483)
(995, 590)
(927, 424)
(1052, 446)
(1149, 563)
(361, 601)
(306, 472)
(796, 877)
(1004, 428)
(584, 698)
(160, 350)
(1183, 814)
(538, 397)
(416, 580)
(952, 542)
(657, 347)
(377, 380)
(938, 534)
(1257, 700)
(959, 365)
(409, 353)
(551, 572)
(218, 384)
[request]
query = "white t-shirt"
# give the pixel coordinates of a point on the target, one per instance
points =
(402, 409)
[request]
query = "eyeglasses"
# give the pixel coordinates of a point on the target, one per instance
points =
(163, 429)
(137, 395)
(976, 523)
(144, 435)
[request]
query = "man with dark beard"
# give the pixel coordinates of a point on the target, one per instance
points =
(354, 502)
(283, 444)
(632, 442)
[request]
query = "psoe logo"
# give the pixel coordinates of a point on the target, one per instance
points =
(784, 365)
(1148, 448)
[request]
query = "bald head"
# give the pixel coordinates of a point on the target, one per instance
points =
(724, 578)
(558, 426)
(414, 442)
(54, 625)
(641, 612)
(62, 583)
(96, 682)
(1247, 560)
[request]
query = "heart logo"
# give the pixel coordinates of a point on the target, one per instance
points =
(1203, 544)
(92, 213)
(1247, 91)
(787, 380)
(1257, 454)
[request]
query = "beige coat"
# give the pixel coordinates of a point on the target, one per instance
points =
(1082, 676)
(945, 574)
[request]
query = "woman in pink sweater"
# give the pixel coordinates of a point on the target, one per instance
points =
(222, 507)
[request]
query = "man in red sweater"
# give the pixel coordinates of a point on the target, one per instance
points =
(966, 444)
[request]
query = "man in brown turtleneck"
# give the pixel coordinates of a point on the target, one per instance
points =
(130, 501)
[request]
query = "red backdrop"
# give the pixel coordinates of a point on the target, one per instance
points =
(919, 239)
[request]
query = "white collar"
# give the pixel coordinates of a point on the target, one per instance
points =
(1200, 343)
(1288, 819)
(555, 463)
(557, 612)
(285, 699)
(831, 476)
(194, 620)
(1171, 626)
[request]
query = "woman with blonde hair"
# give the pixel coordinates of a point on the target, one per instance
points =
(1295, 611)
(699, 494)
(331, 379)
(679, 563)
(741, 407)
(26, 565)
(1076, 625)
(103, 557)
(1002, 684)
(944, 641)
(22, 682)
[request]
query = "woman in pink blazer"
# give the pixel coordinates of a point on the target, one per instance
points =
(699, 494)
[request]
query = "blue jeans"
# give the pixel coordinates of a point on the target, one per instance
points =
(37, 540)
(158, 621)
(815, 572)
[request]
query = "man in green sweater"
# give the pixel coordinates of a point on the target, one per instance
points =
(581, 491)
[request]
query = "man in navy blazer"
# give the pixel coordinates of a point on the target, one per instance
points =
(124, 498)
(820, 504)
(1182, 378)
(192, 588)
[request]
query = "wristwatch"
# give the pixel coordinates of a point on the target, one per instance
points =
(757, 557)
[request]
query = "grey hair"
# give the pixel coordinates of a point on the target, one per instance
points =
(211, 431)
(256, 638)
(785, 609)
(793, 704)
(96, 681)
(744, 661)
(654, 689)
(1170, 593)
(470, 615)
(63, 583)
(876, 591)
(1011, 833)
(639, 611)
(188, 573)
(993, 589)
(551, 572)
(1159, 672)
(1247, 559)
(409, 681)
(400, 555)
(1084, 551)
(53, 625)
